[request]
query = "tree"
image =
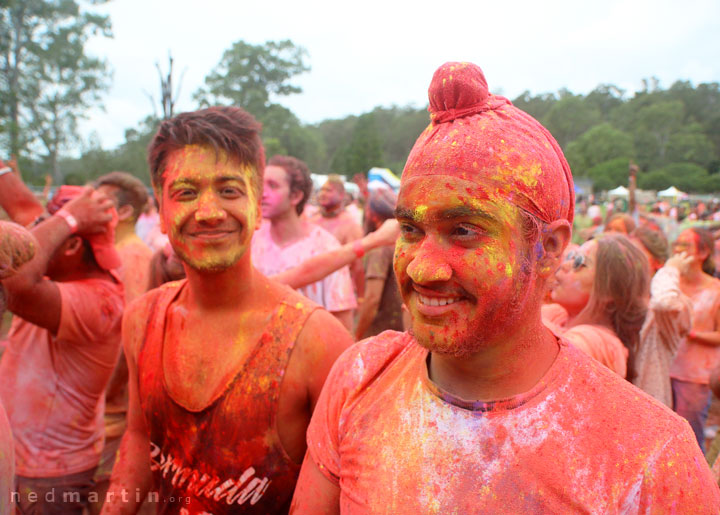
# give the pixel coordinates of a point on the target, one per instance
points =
(48, 79)
(363, 150)
(610, 174)
(599, 144)
(248, 75)
(569, 117)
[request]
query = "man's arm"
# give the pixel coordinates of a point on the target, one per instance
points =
(131, 472)
(15, 197)
(322, 340)
(369, 306)
(29, 294)
(314, 492)
(318, 267)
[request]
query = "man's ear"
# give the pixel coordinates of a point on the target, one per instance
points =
(72, 245)
(295, 197)
(258, 217)
(555, 238)
(125, 212)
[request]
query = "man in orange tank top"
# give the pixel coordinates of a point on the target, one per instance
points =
(226, 366)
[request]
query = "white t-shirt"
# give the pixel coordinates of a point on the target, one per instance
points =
(334, 292)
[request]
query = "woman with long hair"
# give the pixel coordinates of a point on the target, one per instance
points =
(604, 287)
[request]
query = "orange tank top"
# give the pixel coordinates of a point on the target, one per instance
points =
(226, 458)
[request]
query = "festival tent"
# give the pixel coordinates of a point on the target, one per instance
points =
(620, 191)
(377, 177)
(672, 192)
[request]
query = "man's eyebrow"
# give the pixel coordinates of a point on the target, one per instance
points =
(447, 214)
(226, 178)
(182, 182)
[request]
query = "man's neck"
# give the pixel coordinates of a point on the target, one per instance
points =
(287, 228)
(511, 365)
(124, 231)
(227, 289)
(331, 212)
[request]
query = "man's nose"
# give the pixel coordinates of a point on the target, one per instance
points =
(429, 265)
(209, 209)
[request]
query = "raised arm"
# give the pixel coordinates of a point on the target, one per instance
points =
(314, 492)
(131, 476)
(318, 267)
(30, 294)
(15, 198)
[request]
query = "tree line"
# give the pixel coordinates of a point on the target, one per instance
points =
(48, 82)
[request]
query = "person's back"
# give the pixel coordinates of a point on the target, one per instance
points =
(63, 345)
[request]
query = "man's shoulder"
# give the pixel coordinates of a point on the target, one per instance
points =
(143, 304)
(600, 393)
(321, 236)
(366, 360)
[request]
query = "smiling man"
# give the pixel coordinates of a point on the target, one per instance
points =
(226, 366)
(480, 408)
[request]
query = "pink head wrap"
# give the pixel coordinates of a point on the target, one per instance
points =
(483, 138)
(103, 244)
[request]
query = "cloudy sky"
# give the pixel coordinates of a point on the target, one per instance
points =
(370, 53)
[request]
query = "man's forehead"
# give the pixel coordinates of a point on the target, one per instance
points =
(198, 161)
(420, 198)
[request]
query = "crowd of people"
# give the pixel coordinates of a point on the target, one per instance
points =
(234, 342)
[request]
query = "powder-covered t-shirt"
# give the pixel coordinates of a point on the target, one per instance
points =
(694, 360)
(7, 463)
(334, 292)
(52, 387)
(582, 440)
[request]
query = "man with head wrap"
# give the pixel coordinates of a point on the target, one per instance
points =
(63, 345)
(480, 408)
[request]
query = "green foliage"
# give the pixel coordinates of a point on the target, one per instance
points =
(598, 145)
(570, 117)
(48, 81)
(609, 174)
(248, 75)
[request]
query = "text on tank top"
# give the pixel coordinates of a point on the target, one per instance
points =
(226, 458)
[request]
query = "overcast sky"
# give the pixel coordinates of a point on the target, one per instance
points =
(368, 53)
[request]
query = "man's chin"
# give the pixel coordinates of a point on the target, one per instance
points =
(445, 345)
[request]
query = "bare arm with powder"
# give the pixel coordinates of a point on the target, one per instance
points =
(16, 198)
(318, 267)
(131, 472)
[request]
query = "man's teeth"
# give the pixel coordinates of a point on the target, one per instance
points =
(435, 301)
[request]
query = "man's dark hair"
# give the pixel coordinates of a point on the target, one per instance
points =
(298, 176)
(228, 129)
(131, 191)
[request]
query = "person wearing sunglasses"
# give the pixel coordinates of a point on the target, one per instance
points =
(604, 288)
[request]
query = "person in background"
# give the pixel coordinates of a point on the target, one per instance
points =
(668, 319)
(130, 197)
(17, 247)
(604, 287)
(699, 353)
(620, 222)
(63, 346)
(334, 217)
(381, 308)
(284, 241)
